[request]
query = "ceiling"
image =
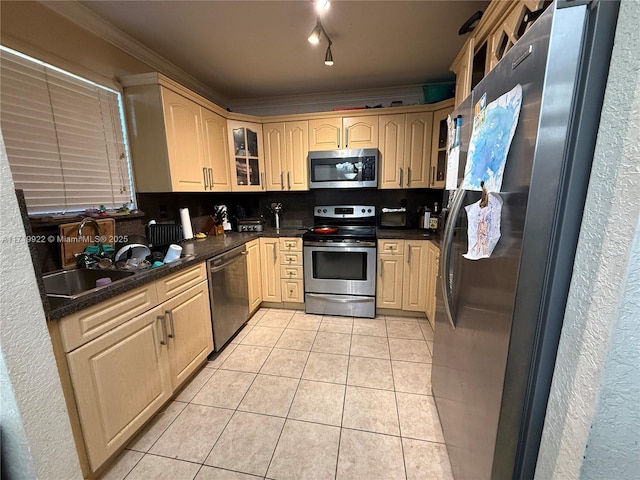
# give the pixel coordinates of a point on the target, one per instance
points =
(256, 49)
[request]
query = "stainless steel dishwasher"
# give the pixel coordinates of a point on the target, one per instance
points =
(229, 294)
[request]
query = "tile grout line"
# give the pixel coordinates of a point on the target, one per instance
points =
(290, 405)
(344, 402)
(395, 396)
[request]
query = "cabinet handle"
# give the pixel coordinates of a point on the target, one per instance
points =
(211, 178)
(289, 180)
(206, 180)
(408, 176)
(409, 255)
(281, 181)
(338, 132)
(400, 176)
(262, 180)
(275, 254)
(433, 175)
(164, 330)
(169, 313)
(381, 264)
(346, 137)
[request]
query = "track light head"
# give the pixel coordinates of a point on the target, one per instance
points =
(314, 37)
(328, 57)
(322, 5)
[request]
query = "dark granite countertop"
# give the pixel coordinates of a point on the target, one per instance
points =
(408, 234)
(194, 251)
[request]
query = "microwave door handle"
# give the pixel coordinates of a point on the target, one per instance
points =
(445, 257)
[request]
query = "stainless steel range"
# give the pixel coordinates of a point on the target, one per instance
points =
(340, 261)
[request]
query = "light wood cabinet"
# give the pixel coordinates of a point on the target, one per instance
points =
(247, 158)
(405, 149)
(433, 266)
(438, 173)
(461, 66)
(176, 144)
(402, 268)
(291, 276)
(188, 316)
(270, 269)
(286, 148)
(120, 380)
(414, 276)
(254, 274)
(122, 359)
(346, 132)
(216, 152)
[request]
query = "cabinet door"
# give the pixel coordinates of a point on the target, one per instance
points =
(270, 270)
(389, 285)
(184, 141)
(274, 155)
(391, 145)
(462, 68)
(415, 275)
(438, 173)
(247, 157)
(325, 134)
(360, 132)
(253, 274)
(418, 149)
(216, 152)
(188, 320)
(297, 151)
(120, 380)
(433, 258)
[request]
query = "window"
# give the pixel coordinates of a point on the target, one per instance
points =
(64, 137)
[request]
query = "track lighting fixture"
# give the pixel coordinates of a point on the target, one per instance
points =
(328, 57)
(322, 6)
(314, 38)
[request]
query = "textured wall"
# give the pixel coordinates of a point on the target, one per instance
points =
(36, 435)
(592, 417)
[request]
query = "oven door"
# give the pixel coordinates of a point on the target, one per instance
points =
(340, 268)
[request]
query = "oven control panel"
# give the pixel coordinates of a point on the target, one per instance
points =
(345, 211)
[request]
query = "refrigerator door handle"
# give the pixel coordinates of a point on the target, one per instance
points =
(445, 258)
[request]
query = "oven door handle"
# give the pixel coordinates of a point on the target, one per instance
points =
(329, 298)
(334, 245)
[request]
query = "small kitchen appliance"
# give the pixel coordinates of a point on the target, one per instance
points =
(339, 255)
(250, 225)
(347, 168)
(392, 217)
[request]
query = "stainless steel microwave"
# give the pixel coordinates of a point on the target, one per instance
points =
(347, 168)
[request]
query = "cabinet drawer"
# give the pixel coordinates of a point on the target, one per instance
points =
(290, 245)
(180, 281)
(80, 327)
(293, 271)
(393, 247)
(292, 291)
(291, 258)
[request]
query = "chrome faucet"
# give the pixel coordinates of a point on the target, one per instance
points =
(96, 228)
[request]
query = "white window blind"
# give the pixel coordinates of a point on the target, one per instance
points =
(64, 137)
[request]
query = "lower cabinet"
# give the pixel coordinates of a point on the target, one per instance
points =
(433, 265)
(117, 380)
(120, 381)
(281, 264)
(270, 269)
(402, 274)
(253, 274)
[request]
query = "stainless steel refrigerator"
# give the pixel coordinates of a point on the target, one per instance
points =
(498, 319)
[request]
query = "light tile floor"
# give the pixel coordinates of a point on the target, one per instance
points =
(298, 396)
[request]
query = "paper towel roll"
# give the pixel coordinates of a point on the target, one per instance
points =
(185, 219)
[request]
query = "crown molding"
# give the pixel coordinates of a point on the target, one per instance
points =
(90, 21)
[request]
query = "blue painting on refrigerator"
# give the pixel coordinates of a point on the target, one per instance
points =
(493, 130)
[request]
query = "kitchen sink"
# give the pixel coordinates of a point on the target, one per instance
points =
(79, 282)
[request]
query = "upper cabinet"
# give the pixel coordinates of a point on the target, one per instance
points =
(343, 132)
(501, 26)
(245, 146)
(405, 150)
(216, 152)
(286, 146)
(438, 171)
(177, 145)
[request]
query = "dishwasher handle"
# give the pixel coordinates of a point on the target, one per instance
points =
(224, 260)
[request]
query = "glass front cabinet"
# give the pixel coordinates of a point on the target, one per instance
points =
(247, 161)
